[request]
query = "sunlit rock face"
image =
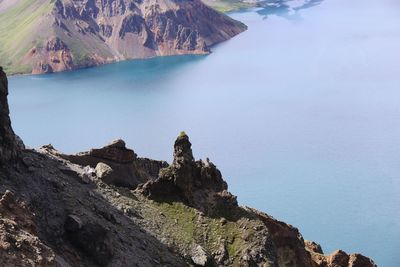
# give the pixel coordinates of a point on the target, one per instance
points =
(70, 34)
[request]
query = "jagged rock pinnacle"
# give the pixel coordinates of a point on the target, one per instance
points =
(183, 149)
(197, 183)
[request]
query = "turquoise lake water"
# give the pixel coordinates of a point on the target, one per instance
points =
(301, 113)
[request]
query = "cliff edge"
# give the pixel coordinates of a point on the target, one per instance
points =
(8, 140)
(109, 207)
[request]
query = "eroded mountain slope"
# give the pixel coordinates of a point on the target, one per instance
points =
(108, 207)
(55, 35)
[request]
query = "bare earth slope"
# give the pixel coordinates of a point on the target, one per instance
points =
(58, 35)
(108, 207)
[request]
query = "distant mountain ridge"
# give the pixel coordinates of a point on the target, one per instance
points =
(56, 35)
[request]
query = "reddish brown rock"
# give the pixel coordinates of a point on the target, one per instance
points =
(76, 34)
(312, 246)
(338, 258)
(53, 56)
(289, 244)
(358, 260)
(19, 242)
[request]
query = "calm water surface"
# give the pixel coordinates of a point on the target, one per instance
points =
(301, 113)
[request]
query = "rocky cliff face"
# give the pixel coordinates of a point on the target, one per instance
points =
(71, 34)
(107, 207)
(8, 141)
(114, 164)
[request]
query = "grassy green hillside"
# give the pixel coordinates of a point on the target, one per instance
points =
(228, 5)
(20, 25)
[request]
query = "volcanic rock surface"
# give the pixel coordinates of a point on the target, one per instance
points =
(8, 140)
(62, 210)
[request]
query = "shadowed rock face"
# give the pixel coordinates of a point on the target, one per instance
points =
(90, 238)
(18, 232)
(8, 142)
(197, 183)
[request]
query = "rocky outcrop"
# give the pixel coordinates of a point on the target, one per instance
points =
(197, 183)
(116, 152)
(8, 140)
(79, 210)
(313, 247)
(115, 164)
(338, 258)
(71, 34)
(289, 244)
(200, 256)
(67, 222)
(54, 56)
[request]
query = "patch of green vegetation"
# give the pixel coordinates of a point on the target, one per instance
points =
(226, 6)
(81, 58)
(182, 217)
(186, 227)
(18, 26)
(167, 172)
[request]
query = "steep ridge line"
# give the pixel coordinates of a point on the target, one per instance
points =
(107, 207)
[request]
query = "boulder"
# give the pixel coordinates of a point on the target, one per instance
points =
(7, 200)
(103, 171)
(116, 175)
(201, 257)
